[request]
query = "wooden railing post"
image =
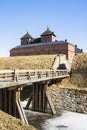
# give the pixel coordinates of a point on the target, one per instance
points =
(15, 78)
(47, 75)
(28, 77)
(39, 74)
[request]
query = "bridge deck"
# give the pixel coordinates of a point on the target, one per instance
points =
(17, 78)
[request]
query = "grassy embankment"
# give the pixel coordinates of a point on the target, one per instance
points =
(8, 122)
(79, 72)
(27, 62)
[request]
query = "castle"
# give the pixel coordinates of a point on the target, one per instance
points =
(45, 44)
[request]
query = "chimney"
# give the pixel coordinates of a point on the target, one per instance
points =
(65, 40)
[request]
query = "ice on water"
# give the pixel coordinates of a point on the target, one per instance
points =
(67, 121)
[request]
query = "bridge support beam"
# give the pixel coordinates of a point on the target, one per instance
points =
(10, 103)
(39, 100)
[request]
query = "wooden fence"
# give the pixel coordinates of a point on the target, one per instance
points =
(30, 75)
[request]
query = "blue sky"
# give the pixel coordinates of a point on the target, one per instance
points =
(67, 18)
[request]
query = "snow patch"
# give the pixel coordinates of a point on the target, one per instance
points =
(23, 103)
(67, 121)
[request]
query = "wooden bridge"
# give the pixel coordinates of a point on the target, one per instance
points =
(12, 82)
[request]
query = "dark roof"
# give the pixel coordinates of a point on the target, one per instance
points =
(48, 32)
(36, 40)
(27, 35)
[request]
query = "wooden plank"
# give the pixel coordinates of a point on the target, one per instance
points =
(9, 102)
(1, 99)
(29, 101)
(6, 71)
(37, 97)
(21, 112)
(13, 96)
(44, 97)
(33, 97)
(18, 93)
(40, 98)
(28, 76)
(15, 77)
(5, 100)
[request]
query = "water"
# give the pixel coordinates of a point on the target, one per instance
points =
(37, 119)
(43, 121)
(65, 121)
(62, 121)
(48, 126)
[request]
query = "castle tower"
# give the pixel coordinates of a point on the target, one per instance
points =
(48, 36)
(26, 39)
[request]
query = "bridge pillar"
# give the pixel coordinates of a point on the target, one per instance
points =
(39, 100)
(10, 103)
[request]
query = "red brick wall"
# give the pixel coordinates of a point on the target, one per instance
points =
(49, 38)
(63, 48)
(71, 52)
(25, 41)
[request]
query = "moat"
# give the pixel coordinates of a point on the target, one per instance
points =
(64, 120)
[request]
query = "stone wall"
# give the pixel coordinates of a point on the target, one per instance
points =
(69, 99)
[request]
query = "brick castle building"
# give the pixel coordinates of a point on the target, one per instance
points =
(45, 44)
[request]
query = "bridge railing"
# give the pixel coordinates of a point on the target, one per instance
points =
(17, 75)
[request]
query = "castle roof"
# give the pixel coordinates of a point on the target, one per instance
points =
(48, 32)
(27, 35)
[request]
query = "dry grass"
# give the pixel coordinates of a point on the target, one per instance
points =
(27, 62)
(78, 79)
(8, 122)
(65, 84)
(80, 63)
(79, 70)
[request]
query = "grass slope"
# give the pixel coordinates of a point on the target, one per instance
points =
(8, 122)
(27, 62)
(79, 70)
(80, 63)
(78, 79)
